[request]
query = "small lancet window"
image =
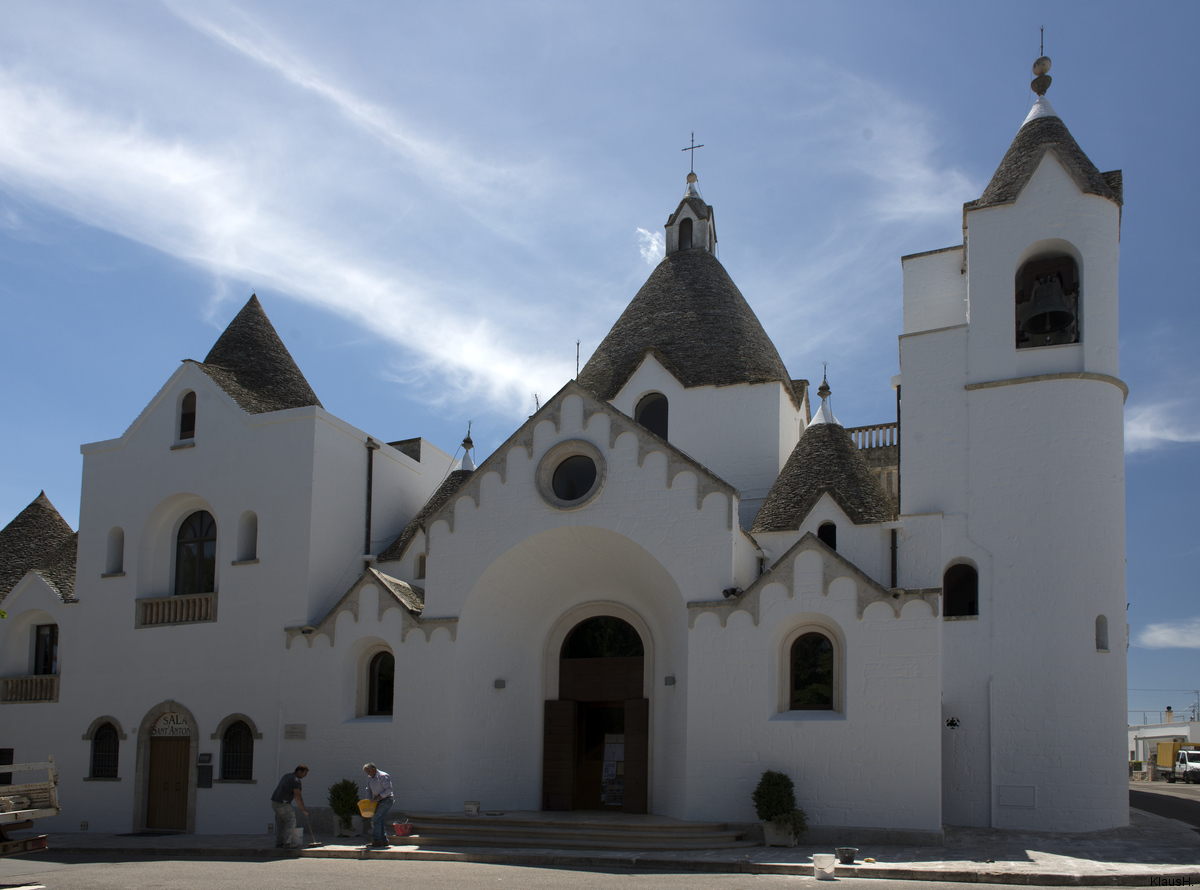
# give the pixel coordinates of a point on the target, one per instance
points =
(685, 234)
(651, 412)
(248, 537)
(187, 417)
(114, 562)
(960, 591)
(1101, 633)
(420, 573)
(1047, 302)
(827, 533)
(381, 684)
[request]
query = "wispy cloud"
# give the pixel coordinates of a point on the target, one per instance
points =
(209, 210)
(1179, 635)
(652, 246)
(1159, 424)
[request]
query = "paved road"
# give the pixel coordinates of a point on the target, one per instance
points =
(72, 873)
(1176, 801)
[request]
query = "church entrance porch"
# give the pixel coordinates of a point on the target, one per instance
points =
(596, 734)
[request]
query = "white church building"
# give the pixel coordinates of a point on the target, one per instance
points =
(679, 572)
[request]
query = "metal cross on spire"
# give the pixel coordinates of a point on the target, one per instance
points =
(692, 148)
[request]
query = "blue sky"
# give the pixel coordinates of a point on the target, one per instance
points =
(435, 201)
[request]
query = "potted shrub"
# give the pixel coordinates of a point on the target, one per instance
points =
(775, 804)
(343, 800)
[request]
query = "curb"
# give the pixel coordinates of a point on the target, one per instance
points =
(651, 863)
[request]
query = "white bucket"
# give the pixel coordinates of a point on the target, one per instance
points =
(471, 807)
(823, 866)
(298, 837)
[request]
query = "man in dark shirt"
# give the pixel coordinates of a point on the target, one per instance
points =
(286, 791)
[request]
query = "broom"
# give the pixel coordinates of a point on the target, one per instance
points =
(314, 843)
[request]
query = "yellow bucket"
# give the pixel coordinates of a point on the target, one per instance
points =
(366, 808)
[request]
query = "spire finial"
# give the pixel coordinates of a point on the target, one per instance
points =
(823, 391)
(1041, 80)
(467, 445)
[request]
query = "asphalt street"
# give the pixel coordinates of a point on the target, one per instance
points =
(74, 873)
(1176, 801)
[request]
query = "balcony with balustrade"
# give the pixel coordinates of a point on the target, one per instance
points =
(171, 611)
(34, 688)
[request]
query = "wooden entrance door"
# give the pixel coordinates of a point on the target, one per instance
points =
(596, 735)
(166, 803)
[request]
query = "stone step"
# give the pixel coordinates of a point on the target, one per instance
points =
(568, 842)
(574, 833)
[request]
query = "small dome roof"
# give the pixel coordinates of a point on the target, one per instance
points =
(824, 460)
(691, 312)
(38, 540)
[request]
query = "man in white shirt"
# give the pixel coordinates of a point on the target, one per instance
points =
(379, 789)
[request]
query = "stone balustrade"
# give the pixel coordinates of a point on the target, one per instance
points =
(163, 611)
(877, 435)
(36, 688)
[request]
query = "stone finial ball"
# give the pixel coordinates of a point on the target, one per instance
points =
(1042, 65)
(691, 177)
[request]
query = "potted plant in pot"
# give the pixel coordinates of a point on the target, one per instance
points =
(775, 804)
(343, 800)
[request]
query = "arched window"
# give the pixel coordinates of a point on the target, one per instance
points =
(1101, 633)
(196, 555)
(114, 562)
(685, 234)
(960, 591)
(651, 412)
(45, 649)
(420, 573)
(382, 680)
(827, 533)
(247, 537)
(237, 752)
(812, 673)
(1047, 302)
(106, 747)
(187, 417)
(604, 636)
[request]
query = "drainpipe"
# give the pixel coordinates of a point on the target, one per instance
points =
(372, 447)
(894, 539)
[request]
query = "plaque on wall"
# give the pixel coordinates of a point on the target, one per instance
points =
(295, 730)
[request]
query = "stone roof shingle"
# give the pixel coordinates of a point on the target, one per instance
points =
(824, 460)
(691, 312)
(38, 540)
(251, 364)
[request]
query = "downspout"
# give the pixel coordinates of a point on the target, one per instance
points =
(372, 447)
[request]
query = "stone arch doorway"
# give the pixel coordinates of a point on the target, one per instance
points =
(166, 748)
(595, 753)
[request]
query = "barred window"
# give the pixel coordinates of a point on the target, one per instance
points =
(106, 747)
(237, 752)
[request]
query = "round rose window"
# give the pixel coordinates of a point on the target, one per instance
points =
(574, 477)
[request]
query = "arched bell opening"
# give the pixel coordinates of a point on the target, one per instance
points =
(1047, 298)
(596, 746)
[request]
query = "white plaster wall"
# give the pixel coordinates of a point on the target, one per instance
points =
(876, 764)
(935, 290)
(401, 488)
(743, 433)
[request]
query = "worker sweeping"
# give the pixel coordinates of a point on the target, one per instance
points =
(287, 791)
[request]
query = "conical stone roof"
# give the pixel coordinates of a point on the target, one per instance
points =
(1044, 131)
(692, 313)
(824, 460)
(38, 540)
(250, 362)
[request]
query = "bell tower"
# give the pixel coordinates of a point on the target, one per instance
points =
(1013, 414)
(692, 226)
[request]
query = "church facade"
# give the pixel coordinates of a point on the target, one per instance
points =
(681, 571)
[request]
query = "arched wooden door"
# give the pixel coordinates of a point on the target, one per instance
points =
(596, 734)
(168, 775)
